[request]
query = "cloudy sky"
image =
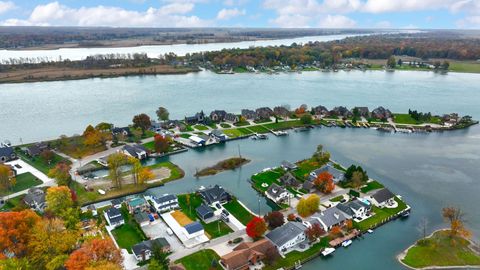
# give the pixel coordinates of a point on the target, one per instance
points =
(244, 13)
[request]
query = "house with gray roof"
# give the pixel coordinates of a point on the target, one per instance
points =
(287, 236)
(35, 198)
(218, 115)
(165, 203)
(143, 250)
(264, 113)
(288, 180)
(36, 149)
(341, 111)
(232, 118)
(205, 212)
(249, 114)
(321, 110)
(381, 113)
(193, 229)
(288, 166)
(281, 111)
(215, 194)
(7, 154)
(276, 193)
(362, 111)
(337, 174)
(330, 217)
(383, 197)
(355, 209)
(114, 217)
(136, 150)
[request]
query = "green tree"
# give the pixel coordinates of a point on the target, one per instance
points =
(61, 174)
(162, 114)
(306, 119)
(391, 63)
(142, 121)
(115, 162)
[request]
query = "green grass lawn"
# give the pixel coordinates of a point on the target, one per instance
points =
(200, 127)
(371, 186)
(284, 125)
(13, 203)
(245, 131)
(150, 146)
(438, 250)
(127, 236)
(305, 167)
(212, 229)
(470, 67)
(337, 199)
(259, 129)
(238, 211)
(203, 259)
(268, 177)
(263, 121)
(39, 164)
(405, 118)
(233, 133)
(24, 181)
(294, 256)
(380, 215)
(242, 124)
(225, 125)
(175, 171)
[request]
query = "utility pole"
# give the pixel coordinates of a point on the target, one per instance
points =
(239, 153)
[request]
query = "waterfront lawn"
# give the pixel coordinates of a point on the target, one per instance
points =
(175, 171)
(41, 165)
(24, 181)
(439, 250)
(381, 214)
(225, 125)
(294, 256)
(305, 167)
(259, 121)
(242, 124)
(405, 118)
(200, 127)
(371, 186)
(216, 229)
(245, 131)
(285, 125)
(203, 259)
(463, 66)
(268, 177)
(259, 129)
(233, 133)
(238, 211)
(127, 236)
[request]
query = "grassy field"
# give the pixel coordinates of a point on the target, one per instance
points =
(305, 167)
(225, 125)
(216, 229)
(438, 250)
(200, 127)
(127, 236)
(224, 165)
(13, 203)
(371, 186)
(259, 129)
(41, 165)
(469, 67)
(268, 177)
(284, 125)
(24, 181)
(405, 118)
(203, 259)
(242, 124)
(238, 211)
(380, 215)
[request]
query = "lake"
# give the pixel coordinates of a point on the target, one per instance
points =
(430, 171)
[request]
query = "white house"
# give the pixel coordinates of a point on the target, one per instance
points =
(287, 236)
(136, 151)
(329, 218)
(383, 198)
(165, 203)
(277, 193)
(114, 217)
(355, 209)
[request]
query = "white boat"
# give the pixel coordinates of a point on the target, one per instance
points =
(370, 231)
(327, 251)
(101, 191)
(347, 243)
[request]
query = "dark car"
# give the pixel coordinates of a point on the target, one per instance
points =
(218, 206)
(298, 219)
(225, 212)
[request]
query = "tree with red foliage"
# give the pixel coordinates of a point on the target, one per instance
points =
(314, 232)
(324, 182)
(161, 144)
(94, 252)
(256, 227)
(274, 219)
(15, 228)
(291, 217)
(336, 231)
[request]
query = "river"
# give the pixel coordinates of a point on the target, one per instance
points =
(156, 50)
(430, 171)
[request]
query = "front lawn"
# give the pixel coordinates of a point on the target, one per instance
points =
(14, 203)
(200, 127)
(225, 125)
(371, 186)
(441, 250)
(242, 124)
(216, 229)
(203, 259)
(267, 177)
(24, 181)
(259, 129)
(294, 256)
(233, 133)
(305, 167)
(405, 118)
(127, 236)
(40, 164)
(381, 214)
(285, 125)
(238, 211)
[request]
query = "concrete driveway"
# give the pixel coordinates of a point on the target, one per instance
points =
(157, 229)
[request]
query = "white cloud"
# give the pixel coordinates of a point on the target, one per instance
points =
(472, 22)
(6, 6)
(227, 14)
(169, 15)
(231, 3)
(291, 21)
(337, 21)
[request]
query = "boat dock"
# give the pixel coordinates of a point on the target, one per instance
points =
(337, 242)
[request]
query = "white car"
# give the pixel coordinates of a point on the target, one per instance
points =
(169, 231)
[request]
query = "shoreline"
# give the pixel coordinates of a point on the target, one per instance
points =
(404, 253)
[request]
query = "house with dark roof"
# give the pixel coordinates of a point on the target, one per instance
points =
(114, 217)
(218, 115)
(362, 111)
(249, 114)
(341, 111)
(36, 149)
(125, 131)
(381, 113)
(276, 193)
(337, 174)
(308, 186)
(205, 212)
(165, 203)
(246, 255)
(7, 154)
(193, 230)
(219, 135)
(215, 194)
(287, 236)
(141, 218)
(136, 150)
(382, 198)
(264, 113)
(117, 203)
(35, 198)
(355, 209)
(198, 118)
(288, 180)
(143, 250)
(288, 166)
(281, 111)
(321, 110)
(232, 118)
(330, 217)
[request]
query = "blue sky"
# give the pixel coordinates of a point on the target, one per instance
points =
(244, 13)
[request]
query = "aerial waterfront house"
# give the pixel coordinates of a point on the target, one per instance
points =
(355, 209)
(215, 194)
(287, 236)
(137, 204)
(35, 199)
(338, 175)
(330, 217)
(264, 113)
(321, 110)
(125, 131)
(205, 212)
(341, 111)
(143, 250)
(288, 166)
(7, 154)
(246, 255)
(36, 149)
(232, 118)
(381, 113)
(137, 151)
(165, 203)
(249, 114)
(362, 111)
(218, 115)
(288, 180)
(114, 217)
(277, 193)
(281, 111)
(383, 198)
(198, 118)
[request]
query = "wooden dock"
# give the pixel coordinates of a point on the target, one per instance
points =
(338, 241)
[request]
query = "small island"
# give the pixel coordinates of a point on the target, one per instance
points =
(447, 248)
(224, 165)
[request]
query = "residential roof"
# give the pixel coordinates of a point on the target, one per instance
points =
(288, 165)
(35, 196)
(36, 149)
(355, 205)
(6, 151)
(331, 216)
(116, 201)
(136, 202)
(113, 212)
(289, 180)
(383, 195)
(275, 190)
(139, 248)
(281, 235)
(193, 227)
(242, 254)
(134, 149)
(117, 130)
(203, 210)
(141, 217)
(214, 194)
(165, 198)
(307, 185)
(337, 174)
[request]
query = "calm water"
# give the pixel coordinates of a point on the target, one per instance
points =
(429, 171)
(156, 50)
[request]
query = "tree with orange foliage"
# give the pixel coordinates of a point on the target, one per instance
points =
(455, 217)
(324, 182)
(161, 144)
(314, 232)
(349, 224)
(95, 254)
(92, 136)
(15, 228)
(256, 227)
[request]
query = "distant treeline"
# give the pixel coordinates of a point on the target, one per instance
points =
(422, 45)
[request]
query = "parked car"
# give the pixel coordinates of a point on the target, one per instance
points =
(225, 212)
(218, 206)
(169, 231)
(298, 219)
(225, 218)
